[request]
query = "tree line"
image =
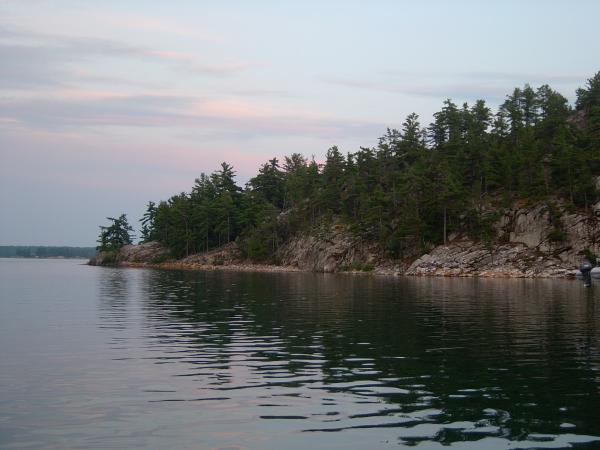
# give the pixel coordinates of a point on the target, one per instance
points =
(417, 185)
(31, 251)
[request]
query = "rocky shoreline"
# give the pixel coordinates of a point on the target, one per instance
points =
(176, 265)
(464, 259)
(525, 245)
(384, 271)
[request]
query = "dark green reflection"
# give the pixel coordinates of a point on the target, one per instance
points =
(503, 358)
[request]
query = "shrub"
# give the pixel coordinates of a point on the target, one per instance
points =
(557, 235)
(160, 258)
(590, 256)
(109, 258)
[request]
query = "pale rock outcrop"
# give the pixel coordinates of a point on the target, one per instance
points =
(227, 254)
(467, 259)
(148, 252)
(530, 227)
(583, 233)
(525, 248)
(329, 250)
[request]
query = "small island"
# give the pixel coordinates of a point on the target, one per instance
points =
(511, 193)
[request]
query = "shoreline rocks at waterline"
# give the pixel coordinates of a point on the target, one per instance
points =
(525, 245)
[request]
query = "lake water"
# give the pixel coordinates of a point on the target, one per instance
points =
(102, 358)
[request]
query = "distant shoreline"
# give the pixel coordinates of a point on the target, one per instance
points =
(45, 257)
(46, 251)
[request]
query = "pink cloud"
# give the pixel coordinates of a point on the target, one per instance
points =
(136, 165)
(157, 25)
(232, 118)
(194, 63)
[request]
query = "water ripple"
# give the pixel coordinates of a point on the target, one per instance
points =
(299, 360)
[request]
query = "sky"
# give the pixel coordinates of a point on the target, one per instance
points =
(107, 105)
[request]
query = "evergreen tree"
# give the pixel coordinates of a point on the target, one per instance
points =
(270, 183)
(147, 222)
(116, 235)
(332, 181)
(589, 96)
(411, 190)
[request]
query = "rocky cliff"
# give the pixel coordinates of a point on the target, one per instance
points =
(331, 249)
(544, 240)
(147, 253)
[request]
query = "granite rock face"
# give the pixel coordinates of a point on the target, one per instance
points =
(468, 259)
(329, 250)
(529, 226)
(530, 243)
(227, 254)
(543, 240)
(148, 252)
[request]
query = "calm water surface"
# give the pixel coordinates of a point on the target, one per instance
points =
(96, 358)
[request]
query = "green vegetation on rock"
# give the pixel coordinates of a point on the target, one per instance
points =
(412, 190)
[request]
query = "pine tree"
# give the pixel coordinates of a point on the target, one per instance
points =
(116, 235)
(147, 222)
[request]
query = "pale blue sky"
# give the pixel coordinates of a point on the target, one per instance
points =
(106, 105)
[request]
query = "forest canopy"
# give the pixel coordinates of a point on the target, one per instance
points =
(418, 184)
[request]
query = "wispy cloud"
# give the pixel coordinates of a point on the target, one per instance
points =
(520, 78)
(491, 86)
(216, 118)
(93, 111)
(156, 25)
(32, 59)
(192, 63)
(459, 90)
(256, 92)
